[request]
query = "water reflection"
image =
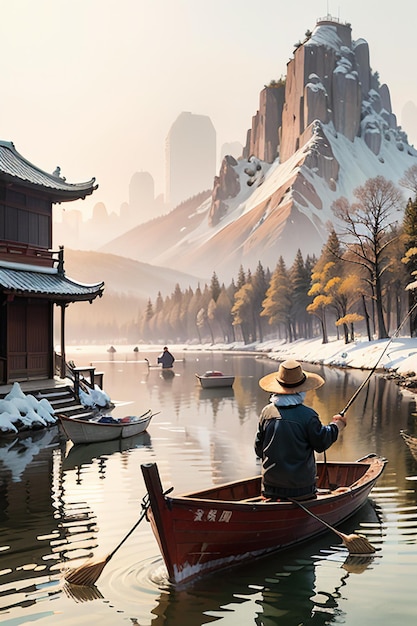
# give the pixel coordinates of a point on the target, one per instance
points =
(294, 587)
(85, 453)
(61, 504)
(17, 452)
(291, 589)
(167, 375)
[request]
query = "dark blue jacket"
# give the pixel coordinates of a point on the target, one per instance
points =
(166, 359)
(285, 442)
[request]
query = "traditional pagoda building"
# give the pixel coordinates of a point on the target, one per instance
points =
(32, 275)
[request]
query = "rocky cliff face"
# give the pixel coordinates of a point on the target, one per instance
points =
(329, 83)
(330, 80)
(318, 134)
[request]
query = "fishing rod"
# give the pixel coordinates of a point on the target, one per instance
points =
(357, 392)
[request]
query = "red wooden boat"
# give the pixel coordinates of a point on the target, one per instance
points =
(204, 531)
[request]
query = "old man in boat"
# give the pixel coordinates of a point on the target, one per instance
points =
(289, 433)
(166, 359)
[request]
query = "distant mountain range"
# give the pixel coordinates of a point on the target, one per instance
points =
(319, 133)
(121, 275)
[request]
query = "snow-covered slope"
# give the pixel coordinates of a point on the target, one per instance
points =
(285, 205)
(268, 219)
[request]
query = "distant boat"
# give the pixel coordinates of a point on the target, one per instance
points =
(214, 378)
(94, 430)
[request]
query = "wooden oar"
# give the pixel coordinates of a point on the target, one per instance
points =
(89, 573)
(356, 544)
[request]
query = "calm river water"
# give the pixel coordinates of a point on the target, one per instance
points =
(60, 505)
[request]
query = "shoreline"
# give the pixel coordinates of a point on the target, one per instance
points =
(401, 357)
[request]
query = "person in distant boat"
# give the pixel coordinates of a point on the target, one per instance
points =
(289, 433)
(166, 359)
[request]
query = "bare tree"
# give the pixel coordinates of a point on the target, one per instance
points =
(409, 180)
(367, 234)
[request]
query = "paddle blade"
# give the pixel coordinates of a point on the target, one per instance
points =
(357, 564)
(82, 593)
(87, 574)
(357, 544)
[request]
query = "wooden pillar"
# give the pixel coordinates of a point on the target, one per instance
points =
(63, 357)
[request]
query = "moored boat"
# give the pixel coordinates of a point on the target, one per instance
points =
(214, 378)
(99, 429)
(209, 530)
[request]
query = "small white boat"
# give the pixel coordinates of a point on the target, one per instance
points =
(214, 378)
(104, 428)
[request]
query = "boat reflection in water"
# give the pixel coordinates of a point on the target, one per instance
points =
(86, 453)
(296, 587)
(167, 374)
(61, 506)
(216, 392)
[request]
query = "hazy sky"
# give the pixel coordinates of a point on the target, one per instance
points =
(94, 85)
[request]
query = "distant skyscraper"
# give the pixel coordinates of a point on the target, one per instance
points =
(141, 190)
(141, 197)
(190, 157)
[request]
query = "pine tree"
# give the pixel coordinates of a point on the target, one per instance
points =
(300, 285)
(215, 287)
(277, 302)
(260, 286)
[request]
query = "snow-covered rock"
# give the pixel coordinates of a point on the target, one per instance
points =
(24, 412)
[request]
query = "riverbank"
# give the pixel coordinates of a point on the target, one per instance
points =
(396, 356)
(393, 355)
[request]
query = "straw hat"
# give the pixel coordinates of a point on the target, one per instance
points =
(290, 378)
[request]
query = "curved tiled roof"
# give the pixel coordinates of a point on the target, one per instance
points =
(14, 167)
(49, 283)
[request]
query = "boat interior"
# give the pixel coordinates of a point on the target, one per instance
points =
(330, 477)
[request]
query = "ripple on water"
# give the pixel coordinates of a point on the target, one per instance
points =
(148, 576)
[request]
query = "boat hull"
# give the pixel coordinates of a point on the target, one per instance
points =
(205, 531)
(84, 431)
(211, 382)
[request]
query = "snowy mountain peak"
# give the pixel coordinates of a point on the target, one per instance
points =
(317, 136)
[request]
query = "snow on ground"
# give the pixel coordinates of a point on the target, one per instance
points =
(20, 412)
(394, 354)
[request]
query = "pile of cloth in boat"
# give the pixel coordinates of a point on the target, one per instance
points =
(19, 411)
(109, 419)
